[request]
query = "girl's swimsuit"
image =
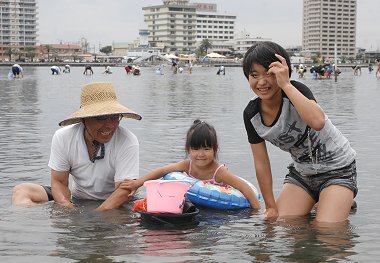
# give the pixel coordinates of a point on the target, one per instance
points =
(212, 181)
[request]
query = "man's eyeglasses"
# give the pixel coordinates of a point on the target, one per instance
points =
(114, 117)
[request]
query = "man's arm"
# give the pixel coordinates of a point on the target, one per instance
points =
(60, 188)
(116, 199)
(123, 189)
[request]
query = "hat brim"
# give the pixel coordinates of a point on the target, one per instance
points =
(100, 109)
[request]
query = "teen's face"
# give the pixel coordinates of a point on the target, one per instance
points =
(102, 128)
(201, 156)
(262, 83)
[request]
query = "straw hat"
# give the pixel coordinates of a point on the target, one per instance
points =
(98, 99)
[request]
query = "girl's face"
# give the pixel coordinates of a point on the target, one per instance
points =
(202, 156)
(262, 83)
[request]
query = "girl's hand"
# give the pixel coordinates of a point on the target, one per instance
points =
(281, 70)
(131, 185)
(270, 214)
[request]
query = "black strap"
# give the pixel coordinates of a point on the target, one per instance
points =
(95, 154)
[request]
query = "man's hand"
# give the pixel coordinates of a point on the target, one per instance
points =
(67, 204)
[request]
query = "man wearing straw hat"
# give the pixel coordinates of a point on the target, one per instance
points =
(92, 151)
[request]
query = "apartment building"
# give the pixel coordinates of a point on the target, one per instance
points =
(18, 27)
(178, 25)
(329, 23)
(213, 25)
(244, 41)
(172, 25)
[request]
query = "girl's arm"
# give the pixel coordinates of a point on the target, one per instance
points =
(264, 178)
(227, 177)
(157, 173)
(310, 112)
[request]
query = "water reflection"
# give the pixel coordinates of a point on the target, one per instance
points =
(311, 242)
(165, 243)
(20, 133)
(21, 156)
(85, 235)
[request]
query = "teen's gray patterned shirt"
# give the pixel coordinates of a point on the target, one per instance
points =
(312, 151)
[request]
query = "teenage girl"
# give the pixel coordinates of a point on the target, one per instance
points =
(286, 114)
(201, 147)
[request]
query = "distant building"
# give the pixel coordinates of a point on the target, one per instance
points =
(329, 22)
(295, 60)
(143, 37)
(120, 49)
(221, 47)
(140, 51)
(294, 50)
(371, 56)
(178, 25)
(217, 27)
(172, 25)
(18, 30)
(59, 52)
(244, 41)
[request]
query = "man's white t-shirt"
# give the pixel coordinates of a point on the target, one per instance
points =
(96, 180)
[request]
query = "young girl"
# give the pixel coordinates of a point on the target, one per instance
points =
(201, 147)
(286, 114)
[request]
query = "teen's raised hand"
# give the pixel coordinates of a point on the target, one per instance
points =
(281, 70)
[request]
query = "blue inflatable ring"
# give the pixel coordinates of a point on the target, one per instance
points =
(211, 195)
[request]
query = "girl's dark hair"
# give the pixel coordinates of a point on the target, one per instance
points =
(200, 135)
(262, 53)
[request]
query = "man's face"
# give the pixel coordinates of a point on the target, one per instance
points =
(102, 128)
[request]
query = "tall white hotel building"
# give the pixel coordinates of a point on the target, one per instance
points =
(178, 25)
(18, 25)
(329, 23)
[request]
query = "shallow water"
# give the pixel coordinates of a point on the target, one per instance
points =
(32, 107)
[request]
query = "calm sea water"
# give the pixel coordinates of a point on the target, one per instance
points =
(31, 108)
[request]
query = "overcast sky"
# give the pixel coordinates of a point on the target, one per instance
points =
(103, 22)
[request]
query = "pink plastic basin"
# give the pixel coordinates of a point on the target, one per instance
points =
(165, 196)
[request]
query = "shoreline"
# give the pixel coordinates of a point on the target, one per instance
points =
(145, 64)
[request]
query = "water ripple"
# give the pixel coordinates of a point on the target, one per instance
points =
(32, 107)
